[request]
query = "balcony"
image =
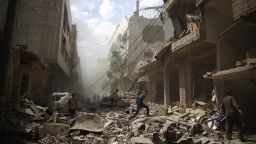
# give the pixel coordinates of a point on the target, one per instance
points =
(197, 36)
(243, 7)
(195, 41)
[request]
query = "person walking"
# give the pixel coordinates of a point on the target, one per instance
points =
(113, 98)
(233, 115)
(141, 103)
(72, 104)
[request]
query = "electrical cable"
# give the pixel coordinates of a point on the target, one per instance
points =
(154, 19)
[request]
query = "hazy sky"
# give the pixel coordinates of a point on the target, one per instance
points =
(96, 21)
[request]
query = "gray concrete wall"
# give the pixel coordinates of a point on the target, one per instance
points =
(156, 86)
(40, 26)
(168, 30)
(234, 46)
(217, 16)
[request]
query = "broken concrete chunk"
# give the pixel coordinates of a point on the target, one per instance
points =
(56, 128)
(140, 120)
(173, 118)
(205, 140)
(141, 140)
(109, 122)
(88, 122)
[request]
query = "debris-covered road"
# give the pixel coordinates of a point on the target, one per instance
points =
(164, 125)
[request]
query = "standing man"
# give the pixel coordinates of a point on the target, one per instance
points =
(141, 103)
(113, 98)
(72, 104)
(233, 115)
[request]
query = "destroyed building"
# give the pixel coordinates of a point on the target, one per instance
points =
(45, 28)
(137, 54)
(191, 53)
(41, 56)
(138, 39)
(212, 40)
(236, 53)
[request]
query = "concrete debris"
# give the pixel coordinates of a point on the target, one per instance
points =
(140, 140)
(88, 122)
(26, 118)
(56, 128)
(165, 125)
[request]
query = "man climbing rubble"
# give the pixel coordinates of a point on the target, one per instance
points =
(141, 103)
(233, 115)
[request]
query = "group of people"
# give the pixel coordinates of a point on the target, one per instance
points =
(229, 107)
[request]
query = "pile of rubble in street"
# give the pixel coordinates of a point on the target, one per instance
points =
(173, 124)
(164, 126)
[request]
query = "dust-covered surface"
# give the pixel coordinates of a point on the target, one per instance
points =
(100, 124)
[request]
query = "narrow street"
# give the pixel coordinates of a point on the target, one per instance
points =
(101, 124)
(127, 71)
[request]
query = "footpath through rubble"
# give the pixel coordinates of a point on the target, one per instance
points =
(169, 125)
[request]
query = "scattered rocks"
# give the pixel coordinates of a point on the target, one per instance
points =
(165, 125)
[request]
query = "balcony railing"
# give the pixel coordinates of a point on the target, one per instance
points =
(243, 7)
(189, 39)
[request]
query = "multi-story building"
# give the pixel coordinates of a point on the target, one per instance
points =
(236, 53)
(76, 73)
(191, 54)
(145, 35)
(213, 39)
(43, 49)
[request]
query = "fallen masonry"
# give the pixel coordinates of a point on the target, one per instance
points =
(172, 124)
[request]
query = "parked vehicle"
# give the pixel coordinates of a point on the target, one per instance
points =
(59, 100)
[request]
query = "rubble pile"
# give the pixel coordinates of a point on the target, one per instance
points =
(25, 118)
(165, 125)
(173, 124)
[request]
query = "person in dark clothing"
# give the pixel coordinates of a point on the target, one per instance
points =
(72, 104)
(113, 98)
(141, 103)
(233, 115)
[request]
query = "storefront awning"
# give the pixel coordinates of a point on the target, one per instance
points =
(244, 72)
(151, 66)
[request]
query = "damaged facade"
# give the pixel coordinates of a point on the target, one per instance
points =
(236, 53)
(211, 51)
(49, 34)
(41, 55)
(138, 39)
